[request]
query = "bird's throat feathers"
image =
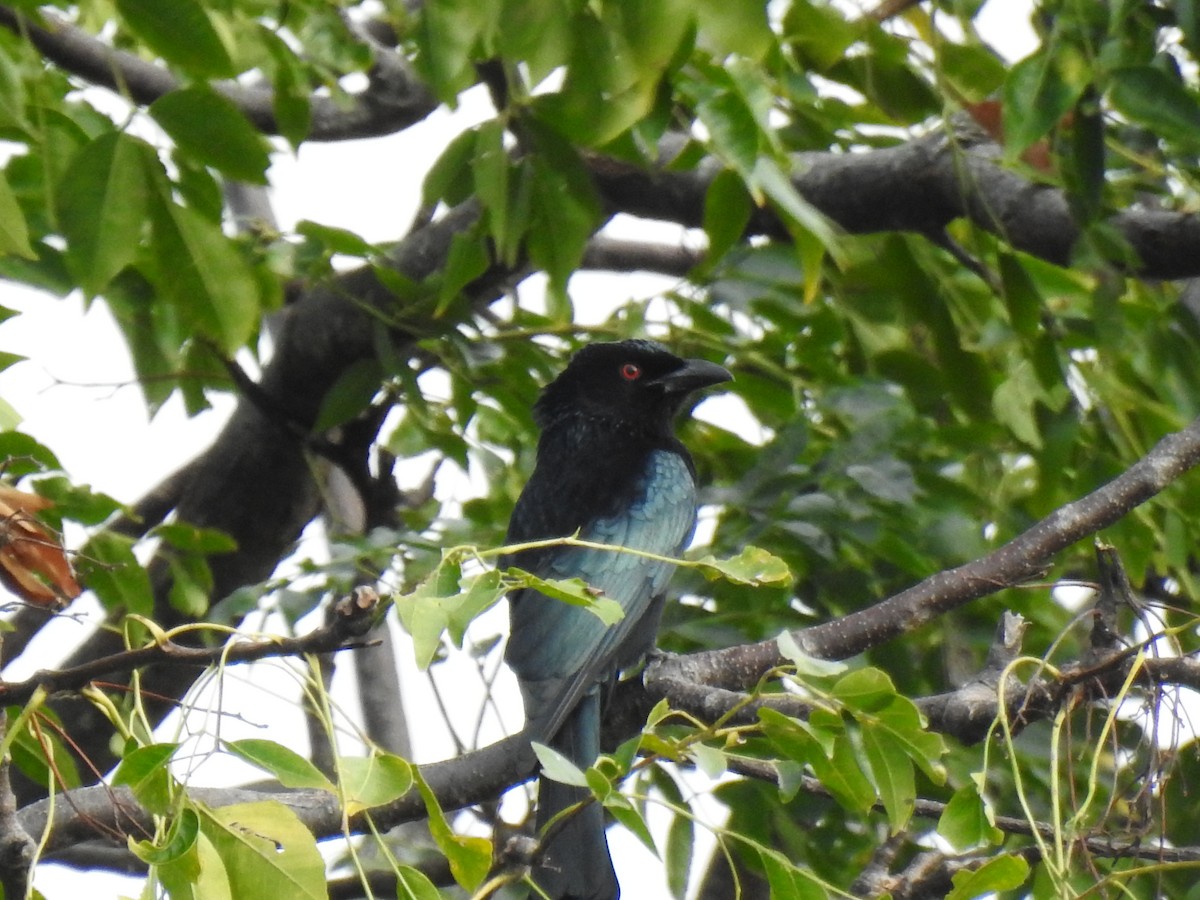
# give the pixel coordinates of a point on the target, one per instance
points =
(587, 468)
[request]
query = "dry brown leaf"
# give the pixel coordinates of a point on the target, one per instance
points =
(33, 564)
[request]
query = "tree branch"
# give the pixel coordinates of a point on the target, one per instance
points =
(919, 186)
(350, 619)
(1021, 559)
(393, 100)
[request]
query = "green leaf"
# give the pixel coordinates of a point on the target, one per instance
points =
(449, 178)
(200, 271)
(1150, 97)
(564, 208)
(336, 240)
(557, 767)
(842, 775)
(788, 880)
(193, 539)
(1015, 400)
(796, 739)
(145, 771)
(467, 260)
(211, 129)
(820, 32)
(448, 35)
(12, 95)
(966, 821)
(266, 850)
(31, 751)
(727, 209)
(574, 591)
(892, 772)
(1002, 873)
(373, 780)
(180, 32)
(103, 205)
(624, 812)
(351, 394)
(198, 874)
(735, 26)
(974, 70)
(180, 840)
(753, 566)
(290, 99)
(470, 858)
(807, 665)
(413, 884)
(1039, 91)
(709, 760)
(444, 600)
(491, 167)
(681, 840)
(287, 766)
(14, 233)
(107, 566)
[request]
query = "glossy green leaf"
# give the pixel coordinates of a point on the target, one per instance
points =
(181, 839)
(145, 770)
(14, 232)
(287, 766)
(413, 884)
(107, 566)
(373, 780)
(1039, 91)
(210, 128)
(1148, 96)
(197, 874)
(201, 272)
(557, 767)
(727, 210)
(630, 818)
(892, 772)
(12, 95)
(1001, 873)
(103, 208)
(735, 26)
(449, 34)
(266, 850)
(470, 858)
(752, 565)
(574, 591)
(966, 823)
(181, 32)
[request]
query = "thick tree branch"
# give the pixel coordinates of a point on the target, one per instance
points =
(1024, 557)
(393, 100)
(920, 186)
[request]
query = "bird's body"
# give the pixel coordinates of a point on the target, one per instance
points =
(610, 468)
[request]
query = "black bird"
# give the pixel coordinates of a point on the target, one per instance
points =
(610, 467)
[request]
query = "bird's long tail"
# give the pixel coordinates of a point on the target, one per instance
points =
(575, 862)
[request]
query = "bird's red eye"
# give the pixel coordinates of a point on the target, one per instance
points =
(631, 372)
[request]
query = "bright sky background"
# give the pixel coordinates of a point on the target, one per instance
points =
(76, 394)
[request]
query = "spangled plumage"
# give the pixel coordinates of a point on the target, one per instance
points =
(610, 467)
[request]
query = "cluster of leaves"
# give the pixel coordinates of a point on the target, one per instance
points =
(904, 412)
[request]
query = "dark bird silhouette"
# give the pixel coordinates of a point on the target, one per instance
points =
(610, 467)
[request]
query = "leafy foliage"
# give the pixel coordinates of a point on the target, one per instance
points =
(906, 399)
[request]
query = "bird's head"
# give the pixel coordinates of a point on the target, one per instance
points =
(636, 381)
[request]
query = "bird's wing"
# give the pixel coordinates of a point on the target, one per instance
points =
(560, 651)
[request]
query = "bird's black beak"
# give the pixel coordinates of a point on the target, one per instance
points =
(693, 375)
